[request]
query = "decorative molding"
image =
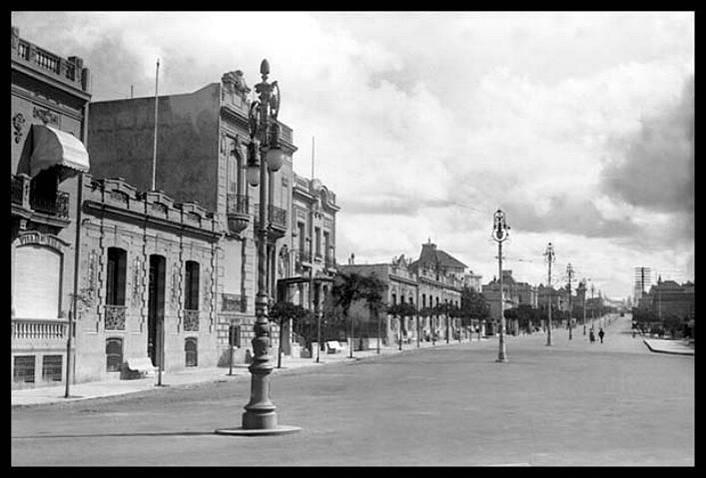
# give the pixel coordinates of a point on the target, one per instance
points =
(37, 238)
(18, 122)
(46, 115)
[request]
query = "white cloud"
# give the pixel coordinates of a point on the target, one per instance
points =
(412, 110)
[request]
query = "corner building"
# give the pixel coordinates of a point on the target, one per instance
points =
(49, 95)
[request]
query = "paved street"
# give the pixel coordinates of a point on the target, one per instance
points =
(575, 403)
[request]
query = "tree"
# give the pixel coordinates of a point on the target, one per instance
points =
(348, 288)
(402, 310)
(474, 306)
(282, 311)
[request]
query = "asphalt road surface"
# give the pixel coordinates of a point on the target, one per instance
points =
(572, 404)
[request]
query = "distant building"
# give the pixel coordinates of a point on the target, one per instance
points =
(436, 278)
(670, 298)
(49, 95)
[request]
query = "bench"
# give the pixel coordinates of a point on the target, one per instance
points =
(137, 368)
(332, 346)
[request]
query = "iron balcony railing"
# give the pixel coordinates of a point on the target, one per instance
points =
(17, 190)
(237, 204)
(115, 317)
(57, 205)
(277, 216)
(191, 320)
(304, 256)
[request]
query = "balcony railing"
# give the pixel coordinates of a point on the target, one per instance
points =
(115, 317)
(303, 256)
(237, 204)
(45, 60)
(191, 320)
(57, 205)
(18, 190)
(42, 329)
(278, 217)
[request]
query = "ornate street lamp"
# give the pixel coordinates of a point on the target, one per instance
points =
(264, 153)
(500, 233)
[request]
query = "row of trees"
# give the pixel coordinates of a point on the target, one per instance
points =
(650, 321)
(351, 288)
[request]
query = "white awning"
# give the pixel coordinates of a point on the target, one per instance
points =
(53, 147)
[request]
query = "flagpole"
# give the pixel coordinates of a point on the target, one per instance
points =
(154, 147)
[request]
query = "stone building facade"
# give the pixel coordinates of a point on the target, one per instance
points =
(200, 159)
(49, 95)
(146, 262)
(434, 279)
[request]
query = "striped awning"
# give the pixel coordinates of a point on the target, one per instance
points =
(52, 147)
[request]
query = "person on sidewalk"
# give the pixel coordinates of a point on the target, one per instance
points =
(601, 334)
(591, 336)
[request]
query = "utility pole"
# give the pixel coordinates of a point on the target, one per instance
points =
(570, 273)
(584, 305)
(593, 305)
(550, 257)
(500, 233)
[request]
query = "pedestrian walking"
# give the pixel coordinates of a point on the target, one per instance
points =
(591, 336)
(601, 334)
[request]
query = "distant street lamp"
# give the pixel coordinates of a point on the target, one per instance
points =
(264, 153)
(549, 254)
(500, 233)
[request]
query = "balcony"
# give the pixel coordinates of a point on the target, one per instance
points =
(67, 70)
(237, 212)
(191, 320)
(54, 205)
(303, 259)
(115, 317)
(48, 330)
(278, 220)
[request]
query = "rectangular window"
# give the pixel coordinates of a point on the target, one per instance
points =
(51, 368)
(302, 237)
(394, 299)
(327, 244)
(318, 240)
(234, 335)
(191, 286)
(24, 369)
(117, 270)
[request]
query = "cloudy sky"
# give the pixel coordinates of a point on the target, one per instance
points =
(578, 125)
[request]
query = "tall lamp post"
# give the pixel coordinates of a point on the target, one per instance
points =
(500, 233)
(570, 273)
(264, 153)
(549, 254)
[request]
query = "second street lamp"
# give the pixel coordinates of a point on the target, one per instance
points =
(500, 234)
(264, 153)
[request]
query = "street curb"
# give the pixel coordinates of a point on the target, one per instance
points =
(672, 352)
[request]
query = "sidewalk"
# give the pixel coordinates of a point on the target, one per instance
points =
(108, 388)
(678, 347)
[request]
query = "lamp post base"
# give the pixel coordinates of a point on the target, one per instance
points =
(278, 430)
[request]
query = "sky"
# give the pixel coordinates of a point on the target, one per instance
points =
(578, 125)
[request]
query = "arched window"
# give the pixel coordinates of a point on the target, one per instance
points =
(424, 300)
(113, 353)
(191, 350)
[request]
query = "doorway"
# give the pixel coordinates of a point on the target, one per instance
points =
(155, 310)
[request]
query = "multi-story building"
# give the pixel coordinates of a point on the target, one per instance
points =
(670, 298)
(307, 258)
(49, 95)
(434, 279)
(200, 159)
